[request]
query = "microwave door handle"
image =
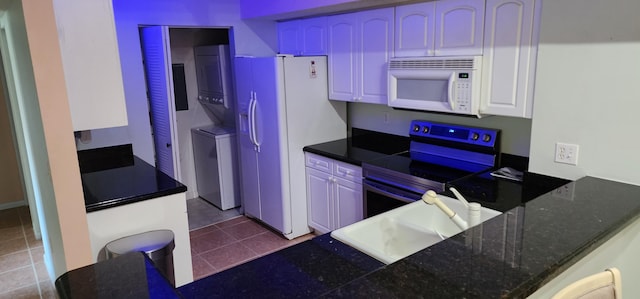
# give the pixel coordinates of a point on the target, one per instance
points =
(450, 90)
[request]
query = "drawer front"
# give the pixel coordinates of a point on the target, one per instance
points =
(318, 162)
(347, 171)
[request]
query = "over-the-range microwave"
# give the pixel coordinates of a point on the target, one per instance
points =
(437, 84)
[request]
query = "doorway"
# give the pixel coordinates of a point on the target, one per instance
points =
(176, 106)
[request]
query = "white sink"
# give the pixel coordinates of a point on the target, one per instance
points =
(395, 234)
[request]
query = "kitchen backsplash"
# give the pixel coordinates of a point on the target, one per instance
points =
(516, 132)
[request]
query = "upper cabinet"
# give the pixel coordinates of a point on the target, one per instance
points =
(442, 28)
(359, 47)
(91, 63)
(415, 30)
(510, 46)
(303, 37)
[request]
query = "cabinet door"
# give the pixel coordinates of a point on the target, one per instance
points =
(91, 63)
(314, 36)
(342, 57)
(509, 58)
(348, 203)
(288, 36)
(459, 27)
(319, 196)
(414, 30)
(375, 48)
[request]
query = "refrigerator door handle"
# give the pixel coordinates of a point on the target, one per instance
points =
(249, 118)
(252, 122)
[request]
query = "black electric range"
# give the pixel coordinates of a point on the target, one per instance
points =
(439, 154)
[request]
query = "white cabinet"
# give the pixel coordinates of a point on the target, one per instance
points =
(510, 46)
(303, 37)
(334, 193)
(415, 30)
(359, 47)
(439, 28)
(91, 63)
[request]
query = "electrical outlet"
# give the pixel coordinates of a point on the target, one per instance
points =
(564, 192)
(567, 153)
(387, 119)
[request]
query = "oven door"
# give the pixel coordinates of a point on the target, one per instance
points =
(379, 197)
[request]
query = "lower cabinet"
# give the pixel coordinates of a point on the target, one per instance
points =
(334, 193)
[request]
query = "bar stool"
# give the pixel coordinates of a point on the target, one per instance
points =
(604, 285)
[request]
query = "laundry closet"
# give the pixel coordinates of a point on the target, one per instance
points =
(195, 143)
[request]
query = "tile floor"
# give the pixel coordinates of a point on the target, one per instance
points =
(22, 270)
(232, 242)
(201, 213)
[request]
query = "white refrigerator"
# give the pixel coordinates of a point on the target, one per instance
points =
(282, 106)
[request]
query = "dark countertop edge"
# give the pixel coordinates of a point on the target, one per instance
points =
(133, 199)
(341, 158)
(535, 283)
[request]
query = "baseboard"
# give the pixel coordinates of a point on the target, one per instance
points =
(13, 204)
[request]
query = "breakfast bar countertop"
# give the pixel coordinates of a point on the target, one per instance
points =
(547, 235)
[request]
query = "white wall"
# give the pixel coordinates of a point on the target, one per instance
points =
(621, 251)
(587, 89)
(515, 131)
(257, 38)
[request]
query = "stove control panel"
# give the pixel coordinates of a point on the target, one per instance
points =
(455, 133)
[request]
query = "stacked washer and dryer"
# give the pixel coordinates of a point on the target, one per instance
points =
(214, 146)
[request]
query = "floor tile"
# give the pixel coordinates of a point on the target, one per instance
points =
(41, 272)
(18, 278)
(12, 246)
(27, 292)
(228, 256)
(211, 241)
(37, 254)
(31, 238)
(8, 220)
(203, 230)
(232, 222)
(265, 243)
(201, 268)
(201, 213)
(48, 290)
(11, 233)
(245, 230)
(14, 261)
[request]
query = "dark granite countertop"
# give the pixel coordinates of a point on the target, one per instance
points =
(363, 146)
(487, 261)
(509, 256)
(305, 270)
(132, 273)
(113, 177)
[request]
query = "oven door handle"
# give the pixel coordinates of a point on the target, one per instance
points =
(388, 193)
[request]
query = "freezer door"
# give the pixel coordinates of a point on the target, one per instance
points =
(248, 163)
(270, 134)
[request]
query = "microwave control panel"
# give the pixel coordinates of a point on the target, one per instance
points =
(463, 92)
